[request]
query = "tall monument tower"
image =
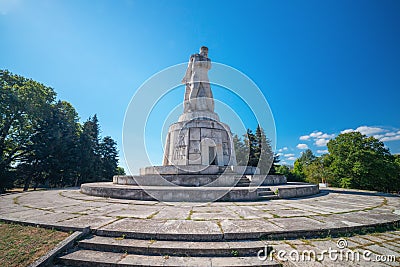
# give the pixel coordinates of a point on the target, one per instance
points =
(199, 138)
(199, 163)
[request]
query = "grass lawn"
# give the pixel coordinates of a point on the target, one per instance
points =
(22, 245)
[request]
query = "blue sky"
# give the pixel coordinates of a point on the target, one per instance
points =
(323, 66)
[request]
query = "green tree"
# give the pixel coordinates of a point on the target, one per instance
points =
(307, 157)
(23, 103)
(283, 169)
(255, 150)
(263, 152)
(298, 174)
(250, 141)
(90, 158)
(241, 150)
(54, 153)
(362, 162)
(109, 158)
(317, 170)
(120, 171)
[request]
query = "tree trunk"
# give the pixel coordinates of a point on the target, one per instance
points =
(27, 182)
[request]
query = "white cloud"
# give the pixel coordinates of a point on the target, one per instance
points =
(291, 158)
(316, 134)
(321, 142)
(279, 154)
(289, 155)
(302, 146)
(282, 149)
(380, 133)
(347, 131)
(390, 138)
(390, 134)
(322, 151)
(369, 130)
(327, 136)
(319, 138)
(305, 137)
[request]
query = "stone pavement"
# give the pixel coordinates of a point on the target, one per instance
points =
(285, 223)
(377, 249)
(330, 210)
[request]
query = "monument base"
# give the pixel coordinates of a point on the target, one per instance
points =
(196, 180)
(198, 194)
(200, 187)
(198, 169)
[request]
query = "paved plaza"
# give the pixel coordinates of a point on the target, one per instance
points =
(300, 224)
(331, 209)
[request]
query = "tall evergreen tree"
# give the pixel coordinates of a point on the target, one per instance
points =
(255, 150)
(241, 150)
(90, 160)
(53, 156)
(109, 158)
(250, 141)
(263, 152)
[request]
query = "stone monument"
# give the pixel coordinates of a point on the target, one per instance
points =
(199, 138)
(199, 162)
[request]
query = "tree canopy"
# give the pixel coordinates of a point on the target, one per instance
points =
(42, 141)
(354, 161)
(358, 161)
(255, 150)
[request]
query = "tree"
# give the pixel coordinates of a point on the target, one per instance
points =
(42, 142)
(250, 141)
(255, 150)
(307, 157)
(362, 162)
(120, 171)
(317, 170)
(109, 158)
(263, 153)
(298, 171)
(241, 150)
(23, 103)
(54, 153)
(283, 169)
(90, 158)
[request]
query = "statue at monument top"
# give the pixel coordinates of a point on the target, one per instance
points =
(198, 94)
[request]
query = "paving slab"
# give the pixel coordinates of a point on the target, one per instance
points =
(332, 209)
(130, 227)
(190, 230)
(248, 229)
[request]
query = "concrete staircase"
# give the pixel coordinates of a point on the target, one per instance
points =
(266, 193)
(243, 182)
(110, 251)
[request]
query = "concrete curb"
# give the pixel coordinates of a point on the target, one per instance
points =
(46, 226)
(47, 259)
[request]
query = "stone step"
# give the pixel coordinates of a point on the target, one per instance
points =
(265, 193)
(263, 189)
(173, 248)
(243, 182)
(84, 257)
(269, 197)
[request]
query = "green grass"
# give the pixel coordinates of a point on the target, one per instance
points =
(22, 245)
(189, 217)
